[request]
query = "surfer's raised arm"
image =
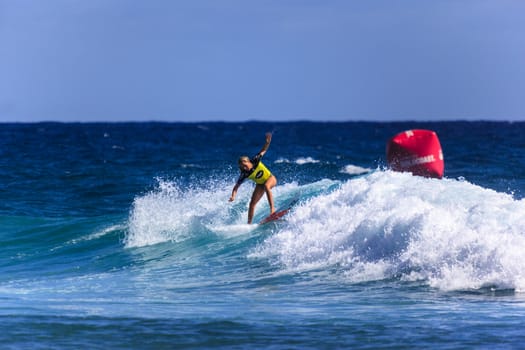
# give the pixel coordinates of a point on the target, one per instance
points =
(267, 144)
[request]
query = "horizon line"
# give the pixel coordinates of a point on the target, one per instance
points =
(256, 120)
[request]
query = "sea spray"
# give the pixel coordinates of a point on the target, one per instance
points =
(452, 234)
(173, 213)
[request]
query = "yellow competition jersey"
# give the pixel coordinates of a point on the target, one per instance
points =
(259, 173)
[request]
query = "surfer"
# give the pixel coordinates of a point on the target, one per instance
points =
(256, 171)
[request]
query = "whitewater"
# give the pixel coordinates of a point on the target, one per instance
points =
(450, 234)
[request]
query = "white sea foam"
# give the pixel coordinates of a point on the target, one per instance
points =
(235, 230)
(355, 170)
(298, 161)
(98, 234)
(175, 213)
(452, 234)
(169, 213)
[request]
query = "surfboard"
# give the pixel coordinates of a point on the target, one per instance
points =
(278, 213)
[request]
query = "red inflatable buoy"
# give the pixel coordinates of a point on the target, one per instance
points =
(416, 151)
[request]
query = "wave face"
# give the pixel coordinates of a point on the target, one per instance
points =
(451, 234)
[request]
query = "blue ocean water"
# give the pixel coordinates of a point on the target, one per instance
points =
(121, 236)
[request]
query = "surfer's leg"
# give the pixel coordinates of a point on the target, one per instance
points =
(268, 185)
(256, 196)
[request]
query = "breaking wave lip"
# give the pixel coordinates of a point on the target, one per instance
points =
(95, 235)
(167, 214)
(451, 234)
(176, 213)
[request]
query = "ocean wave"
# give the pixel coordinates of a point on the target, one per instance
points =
(98, 234)
(168, 213)
(452, 234)
(176, 213)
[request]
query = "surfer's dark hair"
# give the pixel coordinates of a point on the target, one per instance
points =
(241, 158)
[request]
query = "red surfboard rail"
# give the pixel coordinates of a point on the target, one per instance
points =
(417, 151)
(275, 216)
(280, 212)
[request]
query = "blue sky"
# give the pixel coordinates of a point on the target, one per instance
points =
(123, 60)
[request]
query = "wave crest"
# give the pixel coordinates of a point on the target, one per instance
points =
(452, 234)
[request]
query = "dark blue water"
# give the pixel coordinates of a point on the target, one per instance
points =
(122, 236)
